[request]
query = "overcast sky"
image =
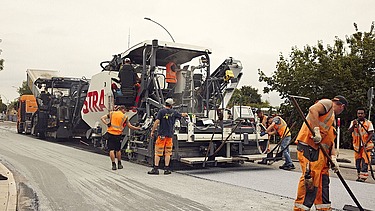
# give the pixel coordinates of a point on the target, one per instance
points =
(74, 36)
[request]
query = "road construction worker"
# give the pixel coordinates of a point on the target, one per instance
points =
(262, 117)
(127, 75)
(313, 187)
(280, 127)
(171, 69)
(171, 77)
(116, 122)
(362, 131)
(166, 117)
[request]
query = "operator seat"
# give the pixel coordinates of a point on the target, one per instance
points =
(128, 79)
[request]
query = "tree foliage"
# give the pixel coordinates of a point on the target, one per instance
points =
(1, 64)
(246, 95)
(3, 107)
(346, 68)
(24, 89)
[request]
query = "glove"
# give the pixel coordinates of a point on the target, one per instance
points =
(109, 125)
(317, 138)
(336, 167)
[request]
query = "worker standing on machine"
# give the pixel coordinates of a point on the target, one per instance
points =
(171, 77)
(116, 122)
(166, 117)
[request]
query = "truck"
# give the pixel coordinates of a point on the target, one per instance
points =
(59, 100)
(27, 106)
(212, 135)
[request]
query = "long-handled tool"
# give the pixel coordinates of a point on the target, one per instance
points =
(293, 100)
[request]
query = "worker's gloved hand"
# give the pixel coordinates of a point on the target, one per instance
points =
(109, 125)
(317, 138)
(336, 167)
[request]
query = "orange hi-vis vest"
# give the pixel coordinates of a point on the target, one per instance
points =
(118, 120)
(171, 76)
(282, 128)
(327, 131)
(362, 134)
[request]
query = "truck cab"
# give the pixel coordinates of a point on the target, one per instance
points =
(27, 106)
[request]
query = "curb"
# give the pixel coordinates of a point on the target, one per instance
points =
(346, 164)
(9, 193)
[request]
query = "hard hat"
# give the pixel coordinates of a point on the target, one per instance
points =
(127, 60)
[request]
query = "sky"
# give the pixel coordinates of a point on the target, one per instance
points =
(74, 36)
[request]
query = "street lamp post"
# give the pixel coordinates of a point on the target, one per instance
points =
(149, 19)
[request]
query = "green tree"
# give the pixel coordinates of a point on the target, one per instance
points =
(346, 68)
(24, 89)
(3, 107)
(246, 95)
(1, 64)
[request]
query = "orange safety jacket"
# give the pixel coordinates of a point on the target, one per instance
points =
(282, 128)
(118, 121)
(171, 76)
(362, 134)
(327, 130)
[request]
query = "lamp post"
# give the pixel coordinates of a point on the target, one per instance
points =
(149, 19)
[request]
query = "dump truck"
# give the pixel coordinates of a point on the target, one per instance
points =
(27, 106)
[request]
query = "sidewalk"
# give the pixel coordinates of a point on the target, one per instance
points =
(8, 191)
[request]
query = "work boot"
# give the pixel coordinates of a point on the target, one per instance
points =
(154, 171)
(360, 180)
(2, 177)
(114, 166)
(119, 166)
(282, 167)
(167, 171)
(289, 167)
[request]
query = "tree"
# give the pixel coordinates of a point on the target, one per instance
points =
(1, 64)
(346, 68)
(246, 95)
(3, 107)
(24, 89)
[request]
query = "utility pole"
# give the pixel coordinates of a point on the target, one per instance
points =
(370, 97)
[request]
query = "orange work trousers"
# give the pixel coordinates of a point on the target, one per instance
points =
(361, 162)
(319, 168)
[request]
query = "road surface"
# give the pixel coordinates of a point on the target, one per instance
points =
(51, 176)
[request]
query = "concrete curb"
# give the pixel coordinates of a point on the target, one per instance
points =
(347, 157)
(8, 192)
